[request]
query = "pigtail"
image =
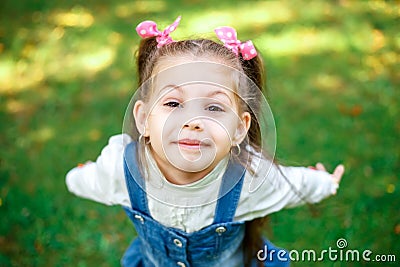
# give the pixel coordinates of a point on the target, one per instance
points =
(145, 58)
(254, 69)
(253, 241)
(145, 61)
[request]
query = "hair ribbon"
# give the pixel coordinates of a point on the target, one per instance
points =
(148, 28)
(228, 36)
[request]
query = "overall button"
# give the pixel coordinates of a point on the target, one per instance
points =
(177, 242)
(181, 264)
(220, 230)
(140, 218)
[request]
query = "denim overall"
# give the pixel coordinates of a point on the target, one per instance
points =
(219, 244)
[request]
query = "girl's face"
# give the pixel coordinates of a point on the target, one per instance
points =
(192, 119)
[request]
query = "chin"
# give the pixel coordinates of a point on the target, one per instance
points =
(193, 166)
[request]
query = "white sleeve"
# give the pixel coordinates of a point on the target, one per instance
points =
(303, 185)
(104, 180)
(282, 187)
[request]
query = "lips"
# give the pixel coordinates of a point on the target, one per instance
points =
(190, 143)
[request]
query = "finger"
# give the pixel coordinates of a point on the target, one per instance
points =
(320, 167)
(338, 173)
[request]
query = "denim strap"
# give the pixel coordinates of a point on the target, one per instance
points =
(229, 193)
(134, 180)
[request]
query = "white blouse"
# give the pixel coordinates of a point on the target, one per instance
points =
(191, 207)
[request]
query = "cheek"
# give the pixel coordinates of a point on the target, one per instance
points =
(161, 126)
(154, 125)
(223, 132)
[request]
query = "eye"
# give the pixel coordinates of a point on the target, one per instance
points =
(215, 108)
(173, 104)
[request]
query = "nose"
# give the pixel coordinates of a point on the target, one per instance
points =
(194, 125)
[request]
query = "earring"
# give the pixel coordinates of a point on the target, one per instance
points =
(238, 150)
(141, 138)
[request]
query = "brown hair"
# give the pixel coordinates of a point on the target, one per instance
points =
(149, 55)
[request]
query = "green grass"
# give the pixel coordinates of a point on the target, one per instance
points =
(67, 74)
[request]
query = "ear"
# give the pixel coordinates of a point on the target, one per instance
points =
(140, 115)
(243, 128)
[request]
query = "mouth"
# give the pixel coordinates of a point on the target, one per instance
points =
(191, 144)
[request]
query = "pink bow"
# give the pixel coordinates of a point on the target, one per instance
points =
(228, 36)
(148, 28)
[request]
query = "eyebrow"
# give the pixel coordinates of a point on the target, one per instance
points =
(178, 88)
(173, 87)
(219, 92)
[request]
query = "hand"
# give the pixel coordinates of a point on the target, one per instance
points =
(337, 173)
(80, 165)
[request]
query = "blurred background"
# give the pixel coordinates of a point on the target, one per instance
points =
(67, 74)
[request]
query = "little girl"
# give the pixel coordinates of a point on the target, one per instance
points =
(192, 170)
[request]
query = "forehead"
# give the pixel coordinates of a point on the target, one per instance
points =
(181, 72)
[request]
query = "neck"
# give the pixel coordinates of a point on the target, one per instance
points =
(178, 176)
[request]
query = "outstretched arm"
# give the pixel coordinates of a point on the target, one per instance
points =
(102, 181)
(285, 187)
